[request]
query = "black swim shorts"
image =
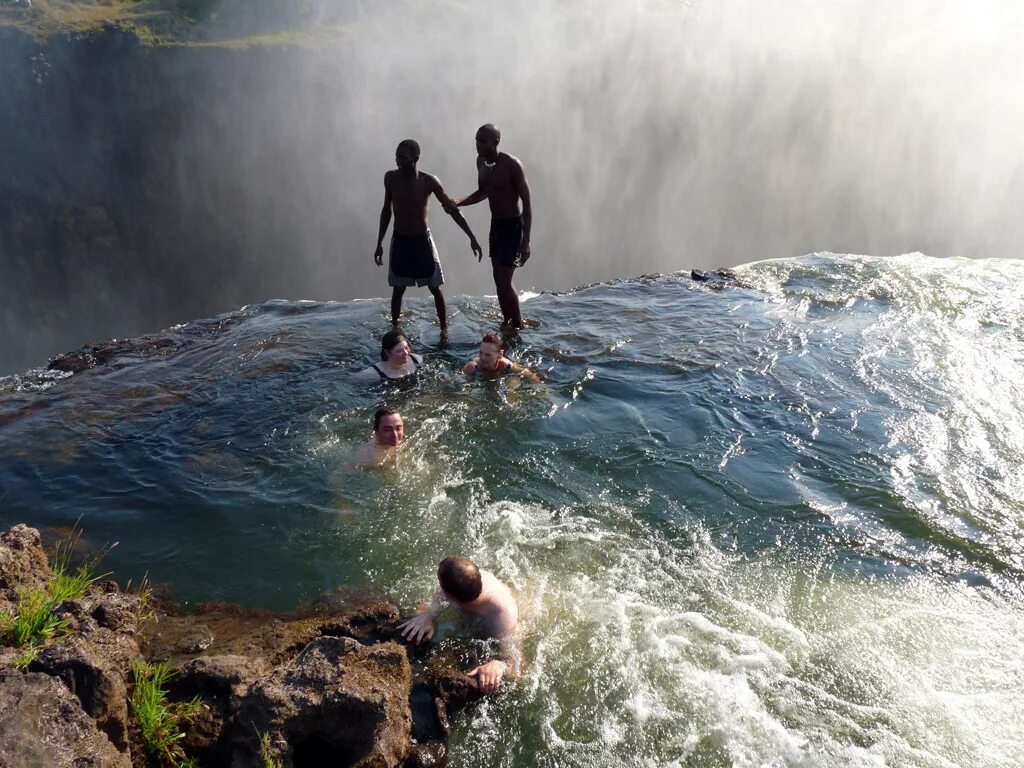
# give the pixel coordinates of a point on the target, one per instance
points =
(413, 261)
(506, 237)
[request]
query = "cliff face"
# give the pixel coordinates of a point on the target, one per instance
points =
(140, 187)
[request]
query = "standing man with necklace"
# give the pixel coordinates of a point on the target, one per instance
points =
(413, 258)
(502, 181)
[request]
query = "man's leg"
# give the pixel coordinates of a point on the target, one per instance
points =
(442, 312)
(396, 303)
(508, 299)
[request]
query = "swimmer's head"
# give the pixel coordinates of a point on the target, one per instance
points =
(487, 138)
(388, 427)
(460, 579)
(395, 347)
(492, 347)
(407, 153)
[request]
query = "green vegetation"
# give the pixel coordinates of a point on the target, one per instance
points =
(33, 624)
(160, 721)
(188, 23)
(267, 753)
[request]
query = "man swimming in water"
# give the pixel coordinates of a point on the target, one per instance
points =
(413, 258)
(388, 434)
(502, 181)
(492, 363)
(477, 594)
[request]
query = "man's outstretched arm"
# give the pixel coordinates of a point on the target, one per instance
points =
(385, 219)
(472, 199)
(449, 205)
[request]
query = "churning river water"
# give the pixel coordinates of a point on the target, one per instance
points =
(773, 524)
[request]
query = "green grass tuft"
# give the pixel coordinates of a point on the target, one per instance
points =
(160, 721)
(32, 626)
(267, 753)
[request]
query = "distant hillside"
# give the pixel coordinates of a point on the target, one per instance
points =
(178, 22)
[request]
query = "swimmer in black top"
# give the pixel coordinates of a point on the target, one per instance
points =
(492, 363)
(396, 360)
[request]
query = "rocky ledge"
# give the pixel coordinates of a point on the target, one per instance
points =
(332, 684)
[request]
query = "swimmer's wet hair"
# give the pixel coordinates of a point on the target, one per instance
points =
(389, 341)
(412, 144)
(460, 579)
(380, 414)
(495, 339)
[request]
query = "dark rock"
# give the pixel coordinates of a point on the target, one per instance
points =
(452, 691)
(118, 611)
(220, 682)
(337, 702)
(42, 724)
(94, 663)
(370, 624)
(717, 278)
(100, 353)
(23, 563)
(94, 668)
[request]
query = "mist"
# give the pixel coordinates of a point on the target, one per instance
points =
(656, 136)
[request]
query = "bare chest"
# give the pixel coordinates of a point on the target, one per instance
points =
(494, 178)
(406, 191)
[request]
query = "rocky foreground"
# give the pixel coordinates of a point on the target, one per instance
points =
(332, 685)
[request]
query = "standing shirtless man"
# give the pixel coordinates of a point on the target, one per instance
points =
(502, 181)
(413, 257)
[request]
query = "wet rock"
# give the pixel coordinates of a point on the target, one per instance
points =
(452, 691)
(226, 629)
(337, 703)
(42, 724)
(23, 563)
(100, 353)
(717, 278)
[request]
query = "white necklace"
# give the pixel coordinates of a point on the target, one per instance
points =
(490, 164)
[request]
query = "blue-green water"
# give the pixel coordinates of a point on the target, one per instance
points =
(778, 524)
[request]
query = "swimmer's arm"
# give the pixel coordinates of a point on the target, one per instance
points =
(526, 373)
(469, 368)
(506, 665)
(385, 220)
(421, 626)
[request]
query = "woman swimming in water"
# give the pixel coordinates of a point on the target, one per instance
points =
(491, 362)
(396, 360)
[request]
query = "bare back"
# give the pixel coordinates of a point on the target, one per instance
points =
(501, 183)
(496, 606)
(409, 198)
